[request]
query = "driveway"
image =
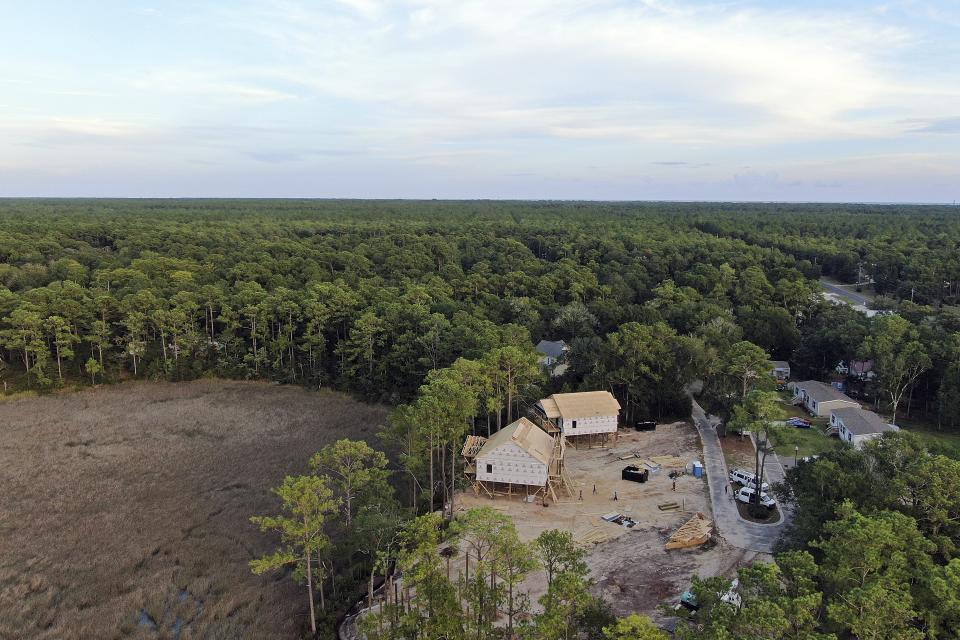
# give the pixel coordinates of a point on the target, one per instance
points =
(735, 530)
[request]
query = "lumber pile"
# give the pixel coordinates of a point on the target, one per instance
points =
(692, 533)
(668, 506)
(669, 461)
(593, 536)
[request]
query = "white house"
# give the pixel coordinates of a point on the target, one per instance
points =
(781, 369)
(856, 426)
(584, 413)
(819, 398)
(517, 454)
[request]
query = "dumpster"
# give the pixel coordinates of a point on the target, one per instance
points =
(634, 474)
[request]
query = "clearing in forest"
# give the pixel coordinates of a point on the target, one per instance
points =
(630, 567)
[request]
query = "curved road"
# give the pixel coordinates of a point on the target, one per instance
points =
(734, 529)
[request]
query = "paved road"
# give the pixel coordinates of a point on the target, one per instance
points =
(851, 296)
(734, 529)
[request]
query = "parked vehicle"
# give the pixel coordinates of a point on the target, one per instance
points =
(746, 478)
(745, 494)
(689, 601)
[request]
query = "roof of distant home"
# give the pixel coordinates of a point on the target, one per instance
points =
(553, 349)
(525, 435)
(585, 404)
(822, 392)
(780, 364)
(861, 422)
(861, 367)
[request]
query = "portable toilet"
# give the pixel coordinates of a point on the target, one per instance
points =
(697, 469)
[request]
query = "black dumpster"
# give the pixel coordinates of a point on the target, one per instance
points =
(645, 425)
(634, 474)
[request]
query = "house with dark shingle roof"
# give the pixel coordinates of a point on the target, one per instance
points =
(552, 355)
(856, 426)
(820, 399)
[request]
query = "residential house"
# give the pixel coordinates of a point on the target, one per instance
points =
(552, 356)
(781, 369)
(856, 426)
(819, 398)
(859, 369)
(862, 370)
(584, 413)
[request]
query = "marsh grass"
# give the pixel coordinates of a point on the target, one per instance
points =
(125, 508)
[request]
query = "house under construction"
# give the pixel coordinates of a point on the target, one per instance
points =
(588, 417)
(520, 459)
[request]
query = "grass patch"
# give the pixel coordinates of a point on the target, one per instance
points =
(941, 440)
(810, 441)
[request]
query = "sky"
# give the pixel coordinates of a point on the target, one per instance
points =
(792, 100)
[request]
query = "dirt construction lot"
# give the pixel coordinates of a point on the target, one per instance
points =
(125, 510)
(630, 566)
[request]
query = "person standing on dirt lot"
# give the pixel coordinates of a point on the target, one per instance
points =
(726, 488)
(674, 484)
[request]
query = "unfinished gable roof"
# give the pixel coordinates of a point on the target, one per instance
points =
(585, 404)
(550, 408)
(525, 435)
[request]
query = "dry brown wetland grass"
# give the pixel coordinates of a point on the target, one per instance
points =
(124, 510)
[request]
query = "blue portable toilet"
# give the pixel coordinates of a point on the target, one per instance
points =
(697, 469)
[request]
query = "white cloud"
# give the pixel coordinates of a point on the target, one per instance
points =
(476, 89)
(659, 71)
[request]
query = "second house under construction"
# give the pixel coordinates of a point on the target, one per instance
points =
(588, 417)
(520, 459)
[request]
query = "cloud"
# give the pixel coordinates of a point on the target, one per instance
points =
(637, 94)
(178, 81)
(941, 125)
(284, 156)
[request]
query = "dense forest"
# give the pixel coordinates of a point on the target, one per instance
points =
(369, 296)
(435, 307)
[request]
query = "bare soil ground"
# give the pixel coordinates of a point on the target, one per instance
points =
(738, 452)
(630, 566)
(125, 510)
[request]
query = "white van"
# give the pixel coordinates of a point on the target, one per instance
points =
(746, 493)
(746, 479)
